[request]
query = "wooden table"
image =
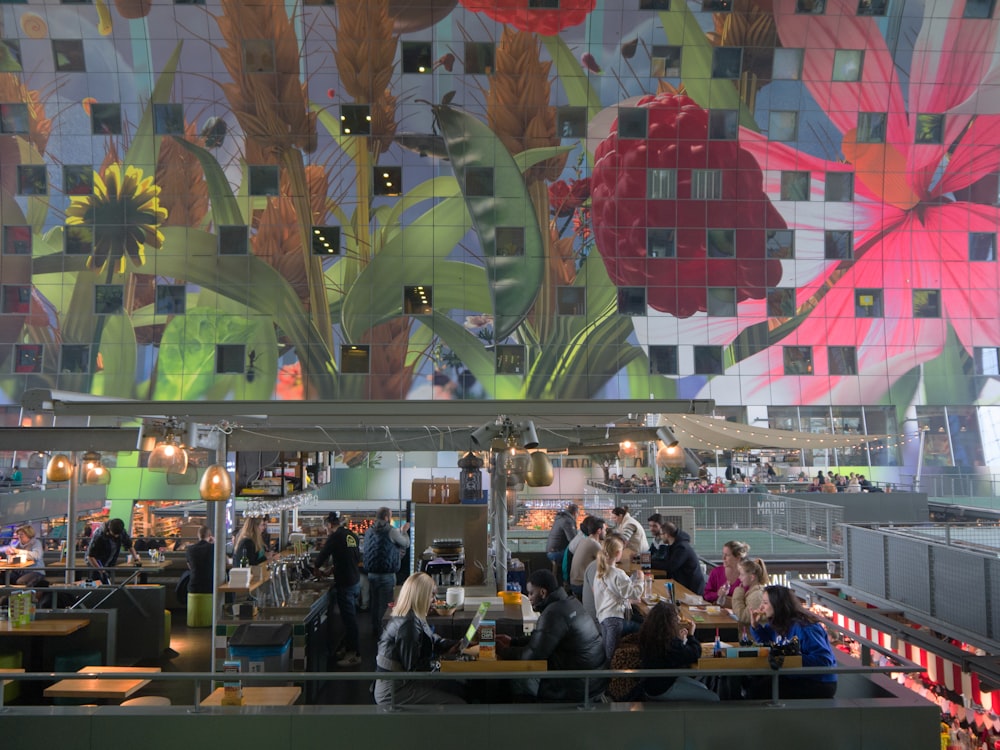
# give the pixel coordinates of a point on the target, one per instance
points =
(45, 628)
(10, 567)
(498, 665)
(258, 696)
(109, 689)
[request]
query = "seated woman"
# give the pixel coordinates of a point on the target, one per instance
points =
(788, 619)
(408, 644)
(748, 595)
(667, 642)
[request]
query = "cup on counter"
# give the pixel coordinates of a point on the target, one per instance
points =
(454, 596)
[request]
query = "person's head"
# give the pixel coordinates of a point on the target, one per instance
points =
(609, 554)
(572, 509)
(733, 552)
(590, 524)
(415, 596)
(332, 520)
(619, 514)
(383, 514)
(541, 583)
(782, 608)
(204, 533)
(655, 522)
(115, 527)
(670, 531)
(753, 572)
(253, 529)
(661, 626)
(25, 533)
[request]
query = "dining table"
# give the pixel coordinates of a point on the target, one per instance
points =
(467, 666)
(7, 567)
(269, 695)
(39, 628)
(96, 688)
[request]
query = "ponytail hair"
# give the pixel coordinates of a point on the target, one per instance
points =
(609, 552)
(757, 569)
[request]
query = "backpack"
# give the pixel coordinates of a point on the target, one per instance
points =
(381, 555)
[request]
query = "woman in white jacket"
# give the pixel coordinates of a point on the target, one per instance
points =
(612, 591)
(631, 531)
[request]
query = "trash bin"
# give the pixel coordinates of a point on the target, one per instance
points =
(262, 647)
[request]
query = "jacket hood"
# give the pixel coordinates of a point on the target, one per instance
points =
(556, 596)
(682, 536)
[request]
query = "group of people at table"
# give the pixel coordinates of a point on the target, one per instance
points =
(580, 626)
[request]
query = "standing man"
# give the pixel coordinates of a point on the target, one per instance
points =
(106, 544)
(343, 549)
(200, 558)
(560, 535)
(383, 550)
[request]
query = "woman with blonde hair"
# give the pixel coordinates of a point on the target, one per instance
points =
(31, 546)
(409, 644)
(613, 590)
(725, 579)
(249, 543)
(748, 595)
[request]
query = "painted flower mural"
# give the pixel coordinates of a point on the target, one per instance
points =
(914, 271)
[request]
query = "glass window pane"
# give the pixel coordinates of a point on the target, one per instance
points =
(847, 64)
(780, 243)
(787, 64)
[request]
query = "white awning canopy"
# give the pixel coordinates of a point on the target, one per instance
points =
(699, 432)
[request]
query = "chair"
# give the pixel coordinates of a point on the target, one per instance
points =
(199, 610)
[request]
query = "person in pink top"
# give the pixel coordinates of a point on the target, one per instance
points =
(725, 579)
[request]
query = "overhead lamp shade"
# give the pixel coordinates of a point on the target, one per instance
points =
(90, 460)
(97, 475)
(540, 472)
(60, 468)
(216, 484)
(529, 437)
(168, 457)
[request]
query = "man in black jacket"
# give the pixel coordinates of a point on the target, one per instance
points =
(344, 550)
(565, 636)
(684, 565)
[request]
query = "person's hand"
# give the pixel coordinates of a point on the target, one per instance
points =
(689, 626)
(503, 640)
(405, 528)
(756, 615)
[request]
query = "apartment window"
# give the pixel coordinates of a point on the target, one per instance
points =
(632, 300)
(32, 179)
(794, 186)
(978, 9)
(28, 358)
(168, 119)
(842, 360)
(108, 299)
(572, 122)
(787, 65)
(418, 300)
(16, 240)
(780, 243)
(14, 50)
(661, 184)
(571, 300)
(706, 184)
(654, 4)
(721, 243)
(871, 127)
(780, 303)
(171, 299)
(662, 360)
(543, 3)
(926, 303)
(78, 179)
(325, 240)
(355, 119)
(106, 118)
(14, 118)
(727, 62)
(387, 180)
(868, 303)
(511, 360)
(632, 122)
(264, 180)
(872, 7)
(708, 360)
(716, 6)
(67, 54)
(783, 126)
(798, 360)
(479, 182)
(74, 358)
(838, 245)
(665, 61)
(813, 7)
(987, 360)
(233, 239)
(355, 359)
(417, 57)
(78, 240)
(258, 55)
(510, 242)
(982, 246)
(930, 129)
(230, 359)
(723, 124)
(479, 58)
(847, 65)
(16, 299)
(839, 187)
(660, 243)
(721, 301)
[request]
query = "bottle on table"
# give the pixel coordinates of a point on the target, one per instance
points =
(717, 648)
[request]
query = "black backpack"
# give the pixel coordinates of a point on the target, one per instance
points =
(381, 555)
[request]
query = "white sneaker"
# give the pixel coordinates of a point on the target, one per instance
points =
(351, 660)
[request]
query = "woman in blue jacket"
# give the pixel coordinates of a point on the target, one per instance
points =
(788, 619)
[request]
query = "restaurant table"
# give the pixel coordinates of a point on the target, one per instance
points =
(123, 575)
(44, 627)
(95, 688)
(258, 696)
(494, 665)
(751, 657)
(706, 622)
(10, 567)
